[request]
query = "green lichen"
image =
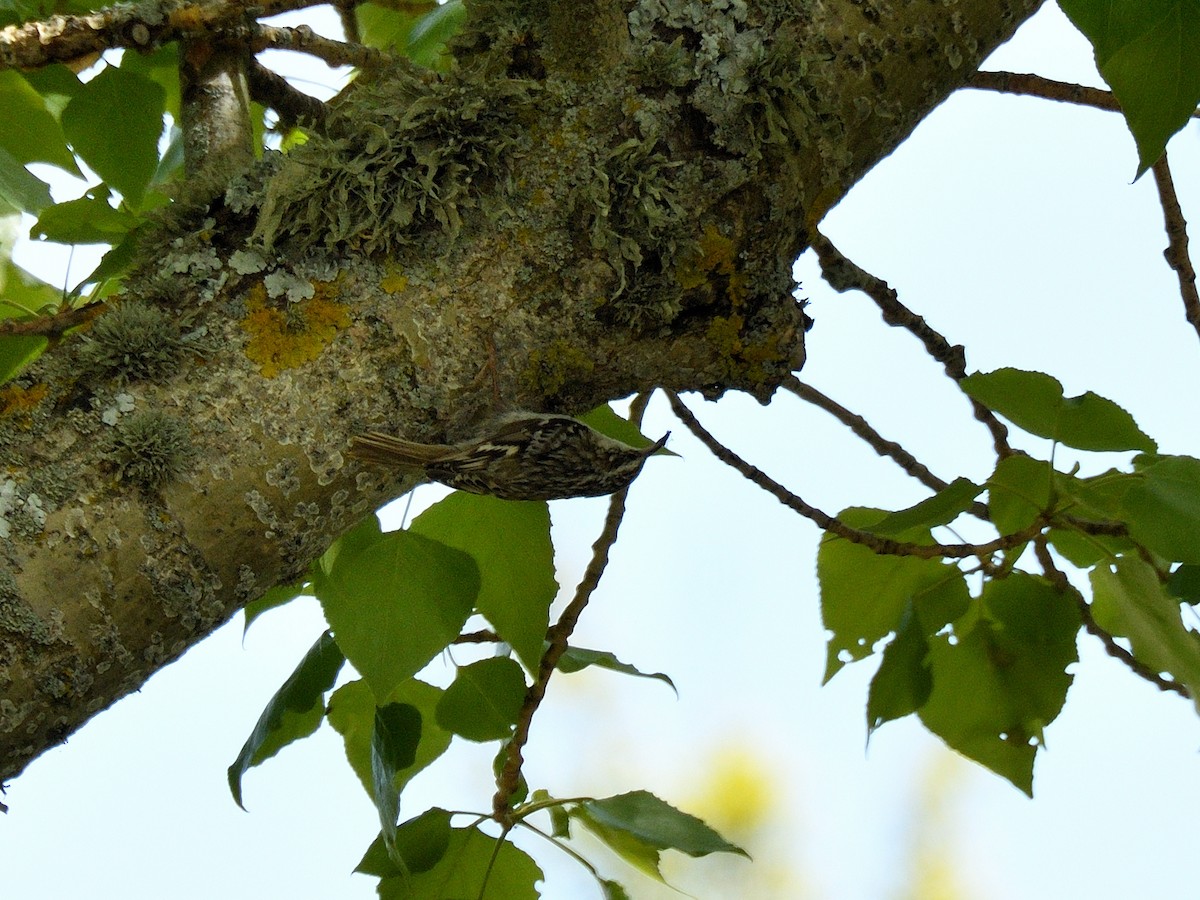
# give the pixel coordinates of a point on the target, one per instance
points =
(559, 364)
(151, 449)
(135, 341)
(399, 155)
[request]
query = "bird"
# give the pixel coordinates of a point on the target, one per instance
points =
(520, 456)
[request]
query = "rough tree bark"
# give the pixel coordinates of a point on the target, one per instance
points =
(606, 197)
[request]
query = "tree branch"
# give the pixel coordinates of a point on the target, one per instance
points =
(843, 275)
(292, 106)
(137, 26)
(304, 40)
(877, 442)
(1176, 254)
(876, 543)
(510, 774)
(1115, 650)
(592, 246)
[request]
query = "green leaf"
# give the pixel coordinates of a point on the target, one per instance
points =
(1184, 583)
(1131, 602)
(613, 890)
(1162, 507)
(638, 826)
(352, 715)
(56, 84)
(383, 28)
(483, 702)
(575, 659)
(1034, 401)
(606, 421)
(864, 595)
(473, 867)
(420, 844)
(18, 352)
(38, 137)
(426, 43)
(294, 712)
(1085, 550)
(1001, 678)
(276, 596)
(1148, 51)
(510, 541)
(160, 65)
(114, 123)
(941, 509)
(88, 220)
(902, 683)
(1020, 490)
(394, 601)
(117, 260)
(19, 189)
(394, 740)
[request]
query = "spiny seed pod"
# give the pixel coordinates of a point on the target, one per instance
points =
(525, 456)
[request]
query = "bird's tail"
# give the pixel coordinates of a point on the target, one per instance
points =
(386, 450)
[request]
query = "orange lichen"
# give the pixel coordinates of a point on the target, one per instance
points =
(20, 401)
(282, 339)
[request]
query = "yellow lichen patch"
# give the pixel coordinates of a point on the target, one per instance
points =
(725, 333)
(281, 339)
(715, 257)
(394, 284)
(20, 401)
(552, 369)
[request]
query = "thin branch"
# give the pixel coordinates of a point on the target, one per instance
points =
(877, 442)
(1115, 650)
(560, 632)
(558, 635)
(138, 26)
(477, 637)
(303, 39)
(876, 543)
(1031, 85)
(843, 275)
(1046, 88)
(52, 325)
(292, 106)
(1177, 241)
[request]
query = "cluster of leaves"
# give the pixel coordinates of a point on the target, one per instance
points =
(394, 601)
(985, 670)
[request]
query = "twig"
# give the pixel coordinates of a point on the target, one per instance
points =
(1114, 649)
(52, 325)
(1046, 88)
(1031, 85)
(303, 39)
(1177, 241)
(292, 106)
(877, 442)
(843, 275)
(876, 543)
(477, 637)
(558, 635)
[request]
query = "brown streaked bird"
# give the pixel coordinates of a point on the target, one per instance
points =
(525, 456)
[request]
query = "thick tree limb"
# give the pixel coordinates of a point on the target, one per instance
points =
(540, 230)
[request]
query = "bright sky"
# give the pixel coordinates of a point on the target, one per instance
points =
(1012, 226)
